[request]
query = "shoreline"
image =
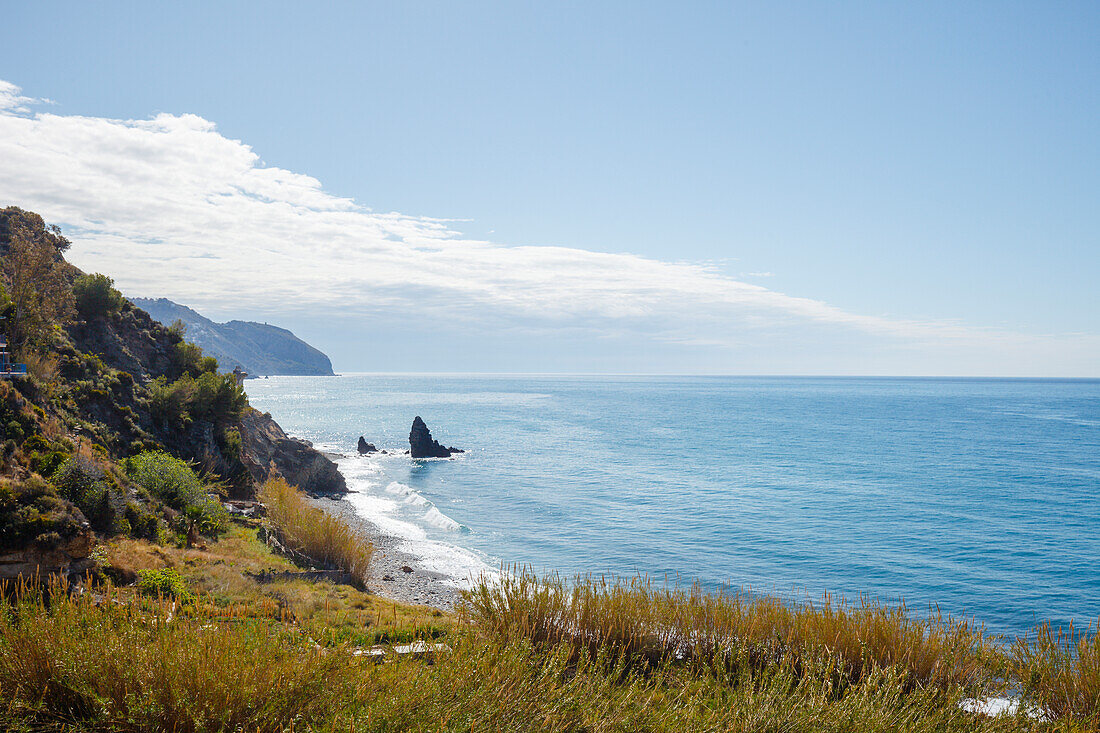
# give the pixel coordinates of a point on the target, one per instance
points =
(386, 579)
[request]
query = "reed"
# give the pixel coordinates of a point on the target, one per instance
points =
(1059, 672)
(650, 625)
(318, 535)
(136, 665)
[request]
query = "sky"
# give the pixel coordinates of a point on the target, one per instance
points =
(720, 188)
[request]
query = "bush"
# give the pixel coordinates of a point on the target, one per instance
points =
(96, 297)
(230, 444)
(173, 482)
(189, 360)
(165, 477)
(212, 396)
(165, 583)
(143, 523)
(31, 511)
(93, 490)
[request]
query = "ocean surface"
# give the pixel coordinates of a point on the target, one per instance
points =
(979, 496)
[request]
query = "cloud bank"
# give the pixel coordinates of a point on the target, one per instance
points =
(170, 207)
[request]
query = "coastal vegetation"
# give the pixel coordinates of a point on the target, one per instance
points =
(133, 599)
(314, 532)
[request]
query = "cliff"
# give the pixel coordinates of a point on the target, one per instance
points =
(258, 348)
(107, 384)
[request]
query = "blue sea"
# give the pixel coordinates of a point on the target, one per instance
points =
(979, 496)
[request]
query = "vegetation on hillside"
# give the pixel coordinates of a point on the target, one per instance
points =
(313, 532)
(126, 432)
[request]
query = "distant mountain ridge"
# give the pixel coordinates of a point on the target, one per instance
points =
(258, 348)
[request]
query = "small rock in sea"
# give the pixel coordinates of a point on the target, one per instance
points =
(406, 569)
(422, 445)
(388, 578)
(365, 447)
(384, 451)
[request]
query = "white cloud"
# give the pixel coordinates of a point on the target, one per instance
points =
(170, 207)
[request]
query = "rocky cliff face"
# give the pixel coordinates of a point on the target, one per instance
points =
(267, 450)
(72, 557)
(258, 348)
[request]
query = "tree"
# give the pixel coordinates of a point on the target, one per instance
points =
(95, 296)
(33, 272)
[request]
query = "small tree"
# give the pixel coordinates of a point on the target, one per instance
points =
(96, 296)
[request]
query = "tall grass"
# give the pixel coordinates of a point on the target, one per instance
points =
(124, 665)
(650, 626)
(1059, 672)
(318, 535)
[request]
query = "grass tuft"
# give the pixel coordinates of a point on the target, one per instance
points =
(1059, 672)
(650, 626)
(314, 533)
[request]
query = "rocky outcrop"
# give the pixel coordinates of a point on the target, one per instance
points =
(266, 450)
(70, 557)
(365, 447)
(421, 444)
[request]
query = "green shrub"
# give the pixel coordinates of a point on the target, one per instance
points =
(165, 477)
(95, 296)
(31, 511)
(36, 443)
(163, 583)
(212, 396)
(230, 444)
(93, 490)
(143, 523)
(172, 481)
(188, 358)
(45, 463)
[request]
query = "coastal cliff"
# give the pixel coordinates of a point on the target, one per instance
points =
(106, 386)
(258, 348)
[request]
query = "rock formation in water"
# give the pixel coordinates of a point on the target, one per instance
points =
(365, 447)
(421, 444)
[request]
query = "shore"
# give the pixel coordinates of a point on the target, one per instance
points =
(388, 575)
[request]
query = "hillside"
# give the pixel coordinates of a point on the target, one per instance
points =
(258, 348)
(106, 386)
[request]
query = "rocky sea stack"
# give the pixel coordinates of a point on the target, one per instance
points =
(421, 444)
(365, 447)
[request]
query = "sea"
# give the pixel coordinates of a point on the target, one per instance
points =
(977, 497)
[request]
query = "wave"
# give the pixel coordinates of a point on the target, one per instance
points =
(437, 518)
(394, 507)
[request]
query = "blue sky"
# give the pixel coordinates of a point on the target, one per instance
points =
(928, 174)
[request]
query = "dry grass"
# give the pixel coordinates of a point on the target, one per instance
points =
(124, 665)
(313, 532)
(223, 578)
(1059, 672)
(652, 626)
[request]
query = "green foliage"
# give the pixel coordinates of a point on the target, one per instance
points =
(95, 296)
(165, 477)
(172, 481)
(33, 277)
(95, 491)
(188, 359)
(164, 583)
(230, 444)
(31, 511)
(212, 396)
(143, 523)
